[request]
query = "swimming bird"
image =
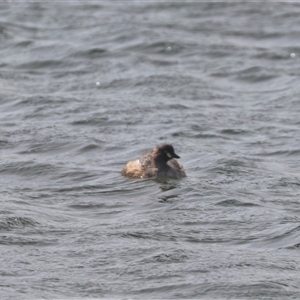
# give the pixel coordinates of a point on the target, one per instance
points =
(161, 161)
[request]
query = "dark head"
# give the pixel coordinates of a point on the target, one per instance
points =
(165, 152)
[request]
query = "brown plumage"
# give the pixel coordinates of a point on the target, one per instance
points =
(158, 162)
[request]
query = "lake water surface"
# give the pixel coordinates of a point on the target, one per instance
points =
(86, 87)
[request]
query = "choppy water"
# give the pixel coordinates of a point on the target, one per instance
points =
(85, 87)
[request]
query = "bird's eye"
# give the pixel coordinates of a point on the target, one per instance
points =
(168, 154)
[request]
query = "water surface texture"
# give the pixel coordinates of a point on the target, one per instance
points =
(86, 87)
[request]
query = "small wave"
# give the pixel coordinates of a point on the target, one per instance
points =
(235, 131)
(255, 74)
(295, 152)
(91, 53)
(158, 48)
(44, 64)
(16, 222)
(27, 168)
(40, 100)
(88, 148)
(177, 255)
(234, 202)
(94, 120)
(283, 236)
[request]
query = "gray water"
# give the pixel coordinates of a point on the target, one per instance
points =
(86, 87)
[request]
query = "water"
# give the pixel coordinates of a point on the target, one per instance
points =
(85, 87)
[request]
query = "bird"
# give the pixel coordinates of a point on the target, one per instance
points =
(159, 162)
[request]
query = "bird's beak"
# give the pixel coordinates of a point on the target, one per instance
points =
(176, 156)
